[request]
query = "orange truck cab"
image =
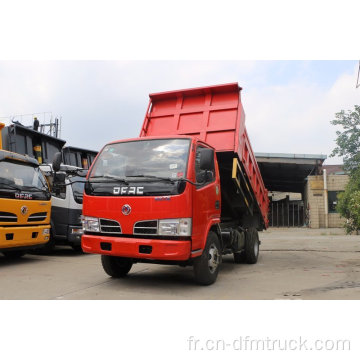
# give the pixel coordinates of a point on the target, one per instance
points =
(25, 205)
(186, 192)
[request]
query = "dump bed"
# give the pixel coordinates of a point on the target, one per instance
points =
(215, 115)
(82, 158)
(22, 140)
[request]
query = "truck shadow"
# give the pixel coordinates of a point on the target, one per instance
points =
(153, 278)
(171, 277)
(62, 251)
(4, 261)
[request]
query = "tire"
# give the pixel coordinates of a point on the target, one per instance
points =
(77, 248)
(14, 254)
(206, 266)
(239, 257)
(251, 246)
(116, 267)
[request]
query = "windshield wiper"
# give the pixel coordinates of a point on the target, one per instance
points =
(22, 188)
(109, 177)
(10, 186)
(154, 177)
(44, 189)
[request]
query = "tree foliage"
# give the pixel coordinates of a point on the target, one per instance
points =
(348, 140)
(349, 203)
(348, 147)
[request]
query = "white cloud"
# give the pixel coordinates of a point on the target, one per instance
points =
(295, 118)
(104, 101)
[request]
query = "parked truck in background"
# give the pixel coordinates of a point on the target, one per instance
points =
(67, 178)
(66, 190)
(25, 205)
(186, 192)
(78, 157)
(67, 187)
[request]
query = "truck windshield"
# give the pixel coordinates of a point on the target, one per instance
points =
(21, 176)
(165, 158)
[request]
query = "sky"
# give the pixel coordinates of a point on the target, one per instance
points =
(288, 104)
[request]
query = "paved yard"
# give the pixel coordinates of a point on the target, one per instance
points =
(293, 264)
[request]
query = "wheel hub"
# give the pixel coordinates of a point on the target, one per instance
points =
(256, 248)
(214, 258)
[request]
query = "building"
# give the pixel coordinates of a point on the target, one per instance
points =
(298, 194)
(320, 199)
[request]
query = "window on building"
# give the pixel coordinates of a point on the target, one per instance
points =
(332, 200)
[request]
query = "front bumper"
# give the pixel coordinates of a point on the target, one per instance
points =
(173, 250)
(22, 236)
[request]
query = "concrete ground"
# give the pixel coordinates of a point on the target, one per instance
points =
(293, 264)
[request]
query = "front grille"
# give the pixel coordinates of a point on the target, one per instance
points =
(110, 226)
(7, 217)
(41, 216)
(148, 227)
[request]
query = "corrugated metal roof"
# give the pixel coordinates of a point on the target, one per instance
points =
(291, 156)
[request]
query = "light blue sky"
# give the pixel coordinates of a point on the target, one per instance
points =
(323, 73)
(288, 104)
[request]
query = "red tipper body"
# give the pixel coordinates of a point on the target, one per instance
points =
(133, 213)
(214, 115)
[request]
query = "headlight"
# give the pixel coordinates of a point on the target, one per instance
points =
(77, 231)
(90, 224)
(46, 231)
(175, 227)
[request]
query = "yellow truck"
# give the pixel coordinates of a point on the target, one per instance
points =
(25, 204)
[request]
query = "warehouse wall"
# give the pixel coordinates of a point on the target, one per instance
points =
(314, 200)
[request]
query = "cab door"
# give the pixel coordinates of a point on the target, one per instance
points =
(206, 200)
(60, 210)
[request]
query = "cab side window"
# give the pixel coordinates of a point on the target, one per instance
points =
(203, 177)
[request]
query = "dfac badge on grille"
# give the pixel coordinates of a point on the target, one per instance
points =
(24, 210)
(126, 209)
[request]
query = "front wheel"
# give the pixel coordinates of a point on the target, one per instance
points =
(116, 267)
(206, 266)
(251, 246)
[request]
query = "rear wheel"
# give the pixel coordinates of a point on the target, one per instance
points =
(239, 257)
(14, 254)
(206, 266)
(116, 267)
(251, 246)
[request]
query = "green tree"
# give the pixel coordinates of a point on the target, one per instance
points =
(348, 140)
(348, 147)
(349, 203)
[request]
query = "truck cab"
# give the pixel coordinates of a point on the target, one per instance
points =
(25, 205)
(67, 186)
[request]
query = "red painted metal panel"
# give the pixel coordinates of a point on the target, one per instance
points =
(213, 114)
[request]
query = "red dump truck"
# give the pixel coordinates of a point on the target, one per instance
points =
(186, 192)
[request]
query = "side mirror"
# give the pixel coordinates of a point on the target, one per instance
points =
(206, 159)
(57, 161)
(82, 172)
(59, 178)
